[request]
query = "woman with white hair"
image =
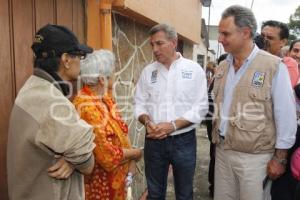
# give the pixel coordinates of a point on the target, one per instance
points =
(115, 159)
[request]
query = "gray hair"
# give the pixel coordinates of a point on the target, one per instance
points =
(100, 63)
(285, 51)
(243, 17)
(169, 30)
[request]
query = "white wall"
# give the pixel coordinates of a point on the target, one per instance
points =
(201, 50)
(217, 47)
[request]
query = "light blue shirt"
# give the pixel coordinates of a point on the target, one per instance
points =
(284, 106)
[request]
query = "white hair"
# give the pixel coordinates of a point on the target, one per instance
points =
(100, 63)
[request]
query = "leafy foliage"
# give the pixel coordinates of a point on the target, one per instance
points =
(294, 25)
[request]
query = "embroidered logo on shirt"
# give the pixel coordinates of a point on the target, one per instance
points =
(186, 74)
(258, 79)
(154, 76)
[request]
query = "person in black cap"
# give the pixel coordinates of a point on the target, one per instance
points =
(53, 44)
(48, 145)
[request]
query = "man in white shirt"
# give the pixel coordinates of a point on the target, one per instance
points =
(255, 120)
(170, 100)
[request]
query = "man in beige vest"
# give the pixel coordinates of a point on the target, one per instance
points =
(255, 116)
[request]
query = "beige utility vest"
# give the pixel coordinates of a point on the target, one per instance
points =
(251, 126)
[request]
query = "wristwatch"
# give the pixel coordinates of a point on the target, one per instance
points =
(282, 161)
(174, 125)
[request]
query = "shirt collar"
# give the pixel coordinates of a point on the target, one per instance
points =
(53, 78)
(251, 56)
(173, 64)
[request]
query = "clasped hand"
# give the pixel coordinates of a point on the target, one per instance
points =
(62, 169)
(160, 130)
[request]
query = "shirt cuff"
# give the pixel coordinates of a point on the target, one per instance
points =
(193, 116)
(190, 116)
(86, 164)
(285, 144)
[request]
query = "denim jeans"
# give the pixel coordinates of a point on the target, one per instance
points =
(180, 152)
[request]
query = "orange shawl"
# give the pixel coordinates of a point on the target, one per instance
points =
(111, 135)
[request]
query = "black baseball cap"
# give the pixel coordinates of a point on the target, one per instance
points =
(54, 40)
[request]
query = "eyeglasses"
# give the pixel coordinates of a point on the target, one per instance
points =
(77, 55)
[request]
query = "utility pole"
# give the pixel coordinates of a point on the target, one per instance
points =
(252, 4)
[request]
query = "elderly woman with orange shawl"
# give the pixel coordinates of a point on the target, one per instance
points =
(115, 158)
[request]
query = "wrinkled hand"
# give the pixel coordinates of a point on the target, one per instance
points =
(61, 169)
(138, 154)
(166, 127)
(151, 128)
(132, 167)
(152, 131)
(275, 169)
(161, 130)
(130, 174)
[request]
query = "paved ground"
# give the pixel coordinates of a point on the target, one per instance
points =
(200, 179)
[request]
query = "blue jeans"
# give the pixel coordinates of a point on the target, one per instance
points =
(180, 152)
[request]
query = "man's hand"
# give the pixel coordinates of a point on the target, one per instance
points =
(275, 169)
(160, 131)
(165, 127)
(276, 166)
(152, 131)
(151, 127)
(61, 169)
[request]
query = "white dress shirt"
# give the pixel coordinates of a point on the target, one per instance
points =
(167, 95)
(284, 106)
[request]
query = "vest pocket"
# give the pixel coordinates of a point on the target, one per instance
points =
(250, 125)
(247, 135)
(260, 94)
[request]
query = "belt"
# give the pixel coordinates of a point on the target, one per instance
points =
(181, 134)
